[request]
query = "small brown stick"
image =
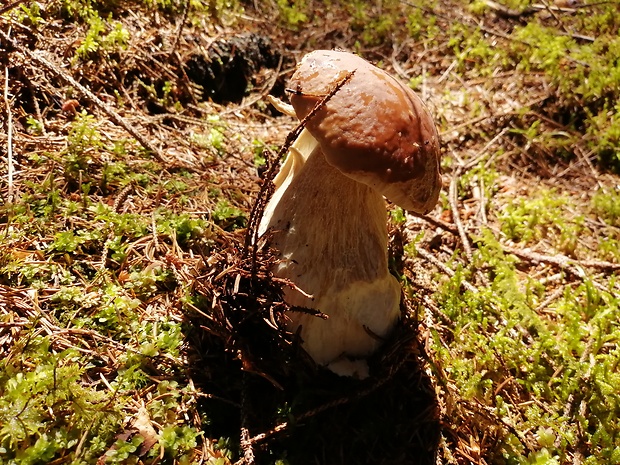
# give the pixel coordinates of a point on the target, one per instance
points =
(563, 262)
(37, 107)
(114, 116)
(180, 31)
(453, 191)
(173, 52)
(483, 152)
(545, 303)
(266, 190)
(455, 213)
(262, 436)
(483, 201)
(155, 241)
(437, 222)
(450, 272)
(10, 6)
(472, 122)
(10, 167)
(586, 158)
(504, 114)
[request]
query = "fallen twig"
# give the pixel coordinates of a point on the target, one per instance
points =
(180, 30)
(114, 116)
(453, 198)
(437, 222)
(450, 272)
(572, 266)
(10, 6)
(10, 167)
(256, 214)
(246, 442)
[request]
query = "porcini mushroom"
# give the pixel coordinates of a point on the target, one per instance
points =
(327, 219)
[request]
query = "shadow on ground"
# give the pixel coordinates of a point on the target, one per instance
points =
(388, 419)
(254, 374)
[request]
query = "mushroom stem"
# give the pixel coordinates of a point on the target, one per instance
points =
(331, 235)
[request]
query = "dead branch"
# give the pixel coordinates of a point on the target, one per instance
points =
(113, 115)
(449, 227)
(574, 267)
(180, 30)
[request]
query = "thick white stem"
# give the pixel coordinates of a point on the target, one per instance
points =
(331, 235)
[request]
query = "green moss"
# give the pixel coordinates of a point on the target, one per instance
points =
(542, 217)
(499, 339)
(45, 409)
(293, 14)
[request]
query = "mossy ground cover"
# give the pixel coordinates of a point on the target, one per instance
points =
(137, 326)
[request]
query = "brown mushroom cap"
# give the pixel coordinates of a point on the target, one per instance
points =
(374, 129)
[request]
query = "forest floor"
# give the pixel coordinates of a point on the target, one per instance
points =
(138, 326)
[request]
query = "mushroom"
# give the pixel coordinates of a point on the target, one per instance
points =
(327, 218)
